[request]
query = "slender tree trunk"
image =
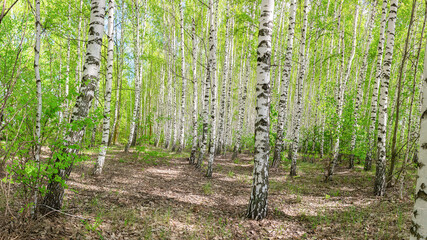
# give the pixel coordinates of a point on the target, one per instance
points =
(79, 59)
(257, 208)
(55, 189)
(212, 69)
(220, 142)
(107, 99)
(116, 121)
(374, 103)
(300, 83)
(342, 88)
(399, 89)
(361, 82)
(39, 100)
(205, 113)
(227, 135)
(134, 120)
(184, 81)
(281, 119)
(379, 188)
(192, 158)
(242, 103)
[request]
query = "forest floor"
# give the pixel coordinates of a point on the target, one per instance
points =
(154, 194)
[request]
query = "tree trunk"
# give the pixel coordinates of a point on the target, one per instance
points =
(258, 201)
(133, 124)
(399, 89)
(374, 103)
(361, 82)
(184, 81)
(192, 158)
(107, 98)
(342, 87)
(55, 190)
(242, 102)
(281, 119)
(116, 121)
(299, 90)
(212, 71)
(379, 188)
(220, 142)
(419, 218)
(39, 100)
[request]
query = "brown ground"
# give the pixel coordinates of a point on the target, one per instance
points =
(153, 194)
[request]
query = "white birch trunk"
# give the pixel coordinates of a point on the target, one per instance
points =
(379, 188)
(192, 158)
(219, 144)
(137, 80)
(342, 88)
(108, 83)
(419, 217)
(361, 81)
(300, 83)
(184, 81)
(39, 100)
(242, 102)
(212, 69)
(55, 190)
(258, 201)
(281, 119)
(374, 103)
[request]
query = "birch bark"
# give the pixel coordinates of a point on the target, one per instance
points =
(55, 190)
(107, 98)
(257, 208)
(379, 188)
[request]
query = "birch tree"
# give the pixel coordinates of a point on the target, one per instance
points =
(379, 188)
(212, 71)
(55, 189)
(281, 119)
(419, 216)
(184, 80)
(342, 87)
(374, 103)
(192, 158)
(362, 80)
(137, 49)
(257, 208)
(300, 85)
(39, 97)
(107, 98)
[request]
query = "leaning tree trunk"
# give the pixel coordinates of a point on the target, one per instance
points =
(107, 97)
(55, 189)
(258, 202)
(379, 188)
(214, 89)
(135, 115)
(39, 99)
(298, 105)
(374, 103)
(281, 119)
(419, 218)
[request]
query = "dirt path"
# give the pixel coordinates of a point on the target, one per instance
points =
(154, 194)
